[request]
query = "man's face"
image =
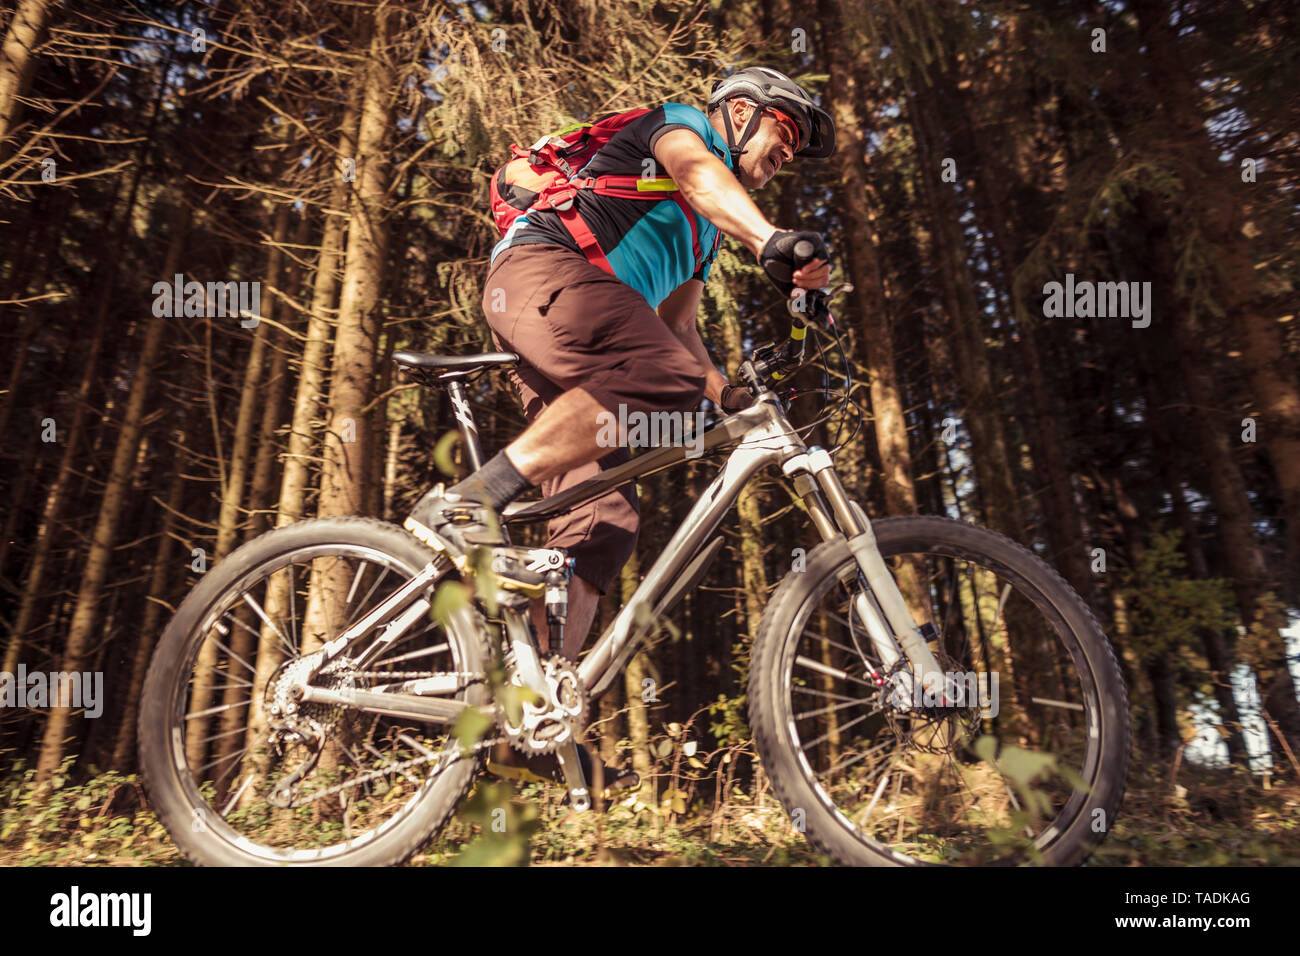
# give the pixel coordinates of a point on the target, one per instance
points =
(771, 147)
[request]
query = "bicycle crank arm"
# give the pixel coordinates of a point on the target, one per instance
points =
(579, 794)
(526, 660)
(429, 709)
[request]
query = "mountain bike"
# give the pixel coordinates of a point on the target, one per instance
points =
(921, 690)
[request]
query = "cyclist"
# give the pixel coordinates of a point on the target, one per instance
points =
(594, 338)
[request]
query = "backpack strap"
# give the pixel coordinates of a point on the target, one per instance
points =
(656, 188)
(689, 213)
(707, 260)
(561, 195)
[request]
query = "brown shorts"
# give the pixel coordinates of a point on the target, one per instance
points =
(574, 324)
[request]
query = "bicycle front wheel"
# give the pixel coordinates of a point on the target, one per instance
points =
(1020, 756)
(234, 783)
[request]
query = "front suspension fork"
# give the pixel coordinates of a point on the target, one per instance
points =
(881, 605)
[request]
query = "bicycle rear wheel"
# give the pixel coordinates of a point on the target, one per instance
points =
(1024, 757)
(354, 788)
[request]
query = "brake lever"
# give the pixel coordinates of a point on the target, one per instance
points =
(818, 311)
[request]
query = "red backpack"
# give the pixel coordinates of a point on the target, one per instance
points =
(546, 175)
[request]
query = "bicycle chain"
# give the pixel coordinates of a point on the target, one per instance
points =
(554, 665)
(418, 675)
(394, 768)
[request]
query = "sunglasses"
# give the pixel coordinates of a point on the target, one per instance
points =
(794, 127)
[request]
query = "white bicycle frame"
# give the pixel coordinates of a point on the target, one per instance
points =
(763, 435)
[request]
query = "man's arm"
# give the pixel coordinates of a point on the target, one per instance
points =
(712, 189)
(678, 312)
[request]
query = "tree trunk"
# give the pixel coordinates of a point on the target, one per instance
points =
(1241, 549)
(242, 637)
(343, 476)
(875, 332)
(990, 451)
(106, 273)
(251, 394)
(123, 758)
(95, 572)
(18, 63)
(1221, 199)
(1156, 665)
(1218, 647)
(638, 721)
(306, 405)
(55, 498)
(268, 447)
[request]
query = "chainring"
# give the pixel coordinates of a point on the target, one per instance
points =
(547, 725)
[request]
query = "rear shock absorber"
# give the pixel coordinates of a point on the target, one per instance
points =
(557, 604)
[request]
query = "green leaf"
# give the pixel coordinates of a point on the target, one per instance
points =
(1074, 779)
(1023, 766)
(470, 727)
(444, 453)
(493, 849)
(485, 579)
(513, 697)
(450, 597)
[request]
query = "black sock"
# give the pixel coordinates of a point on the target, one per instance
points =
(498, 483)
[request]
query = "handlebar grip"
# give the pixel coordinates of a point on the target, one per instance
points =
(803, 253)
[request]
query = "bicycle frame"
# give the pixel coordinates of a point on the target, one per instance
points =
(764, 436)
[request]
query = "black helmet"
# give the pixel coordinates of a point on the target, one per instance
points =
(767, 87)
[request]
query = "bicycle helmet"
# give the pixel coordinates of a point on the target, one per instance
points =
(768, 88)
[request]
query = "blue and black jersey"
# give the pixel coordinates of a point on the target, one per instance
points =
(648, 244)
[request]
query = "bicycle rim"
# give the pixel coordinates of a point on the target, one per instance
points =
(992, 766)
(363, 775)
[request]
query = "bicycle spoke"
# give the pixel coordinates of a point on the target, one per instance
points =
(357, 770)
(942, 801)
(832, 672)
(257, 609)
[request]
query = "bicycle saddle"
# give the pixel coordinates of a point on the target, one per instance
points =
(455, 366)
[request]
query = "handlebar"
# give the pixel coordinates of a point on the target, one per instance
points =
(774, 362)
(771, 365)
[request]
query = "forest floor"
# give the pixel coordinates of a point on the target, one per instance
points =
(1204, 818)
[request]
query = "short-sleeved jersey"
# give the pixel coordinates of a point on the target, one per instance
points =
(648, 244)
